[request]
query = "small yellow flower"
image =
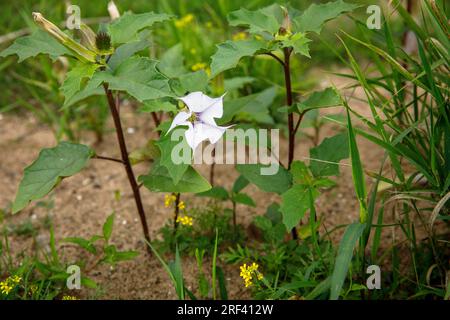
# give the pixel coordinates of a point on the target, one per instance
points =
(69, 298)
(184, 21)
(168, 199)
(5, 287)
(249, 273)
(199, 66)
(185, 220)
(181, 205)
(15, 279)
(239, 36)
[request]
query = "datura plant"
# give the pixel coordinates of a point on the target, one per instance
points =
(106, 63)
(282, 32)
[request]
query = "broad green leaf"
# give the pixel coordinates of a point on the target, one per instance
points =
(159, 180)
(320, 99)
(137, 76)
(344, 257)
(243, 198)
(83, 94)
(51, 166)
(278, 183)
(295, 202)
(126, 28)
(39, 42)
(216, 193)
(108, 227)
(240, 184)
(166, 146)
(299, 43)
(324, 159)
(236, 83)
(317, 15)
(193, 81)
(300, 173)
(127, 50)
(158, 105)
(229, 53)
(172, 62)
(74, 78)
(257, 21)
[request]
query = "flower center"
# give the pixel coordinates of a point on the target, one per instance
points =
(194, 117)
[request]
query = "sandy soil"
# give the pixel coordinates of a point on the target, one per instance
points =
(82, 202)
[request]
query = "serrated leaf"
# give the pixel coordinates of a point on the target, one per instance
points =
(256, 21)
(299, 43)
(158, 105)
(317, 15)
(74, 78)
(172, 62)
(126, 28)
(137, 76)
(236, 83)
(278, 183)
(216, 193)
(166, 146)
(229, 53)
(127, 50)
(39, 42)
(159, 180)
(348, 242)
(52, 164)
(295, 202)
(320, 99)
(324, 159)
(243, 198)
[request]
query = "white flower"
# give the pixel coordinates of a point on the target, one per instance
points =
(200, 118)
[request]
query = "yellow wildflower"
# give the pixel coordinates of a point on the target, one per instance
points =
(185, 220)
(181, 205)
(249, 273)
(5, 287)
(239, 36)
(69, 298)
(198, 66)
(15, 279)
(168, 199)
(184, 21)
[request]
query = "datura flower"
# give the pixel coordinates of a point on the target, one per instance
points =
(199, 118)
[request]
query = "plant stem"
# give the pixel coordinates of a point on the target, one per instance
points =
(108, 158)
(234, 220)
(176, 212)
(289, 100)
(126, 162)
(212, 167)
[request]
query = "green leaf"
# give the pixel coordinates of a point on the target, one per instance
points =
(159, 180)
(349, 240)
(215, 192)
(243, 198)
(317, 15)
(127, 50)
(278, 183)
(236, 83)
(177, 272)
(229, 53)
(257, 21)
(74, 78)
(88, 283)
(83, 243)
(166, 146)
(240, 184)
(172, 62)
(137, 76)
(324, 159)
(158, 105)
(320, 99)
(299, 43)
(124, 255)
(43, 174)
(295, 202)
(108, 227)
(39, 42)
(126, 28)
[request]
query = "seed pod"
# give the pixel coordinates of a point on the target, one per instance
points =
(103, 42)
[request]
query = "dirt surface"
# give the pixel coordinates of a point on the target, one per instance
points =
(82, 203)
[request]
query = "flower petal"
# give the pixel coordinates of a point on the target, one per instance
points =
(198, 102)
(213, 133)
(180, 120)
(194, 136)
(213, 111)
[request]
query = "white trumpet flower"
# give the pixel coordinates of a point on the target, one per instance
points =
(202, 110)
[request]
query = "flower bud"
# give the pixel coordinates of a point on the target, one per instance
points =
(103, 42)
